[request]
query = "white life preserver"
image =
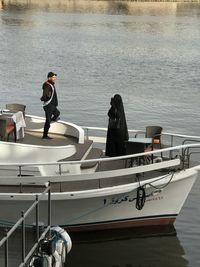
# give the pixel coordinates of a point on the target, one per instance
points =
(66, 238)
(61, 249)
(58, 260)
(53, 252)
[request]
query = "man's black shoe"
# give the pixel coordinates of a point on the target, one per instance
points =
(46, 137)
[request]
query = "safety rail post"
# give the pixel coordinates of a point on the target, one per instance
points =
(20, 171)
(60, 170)
(6, 249)
(49, 208)
(87, 133)
(172, 143)
(37, 218)
(23, 236)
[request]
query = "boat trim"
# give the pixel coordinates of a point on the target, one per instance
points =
(106, 191)
(164, 219)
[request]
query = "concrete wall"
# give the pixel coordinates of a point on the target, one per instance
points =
(85, 3)
(125, 7)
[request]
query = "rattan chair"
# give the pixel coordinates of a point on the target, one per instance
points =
(16, 107)
(155, 133)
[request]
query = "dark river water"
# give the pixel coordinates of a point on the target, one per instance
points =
(147, 52)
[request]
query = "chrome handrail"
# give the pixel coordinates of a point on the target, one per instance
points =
(21, 222)
(170, 149)
(143, 132)
(181, 155)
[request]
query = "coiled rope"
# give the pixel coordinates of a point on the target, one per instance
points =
(141, 198)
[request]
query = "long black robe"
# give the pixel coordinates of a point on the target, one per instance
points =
(115, 143)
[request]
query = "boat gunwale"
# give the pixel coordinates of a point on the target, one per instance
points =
(105, 191)
(89, 176)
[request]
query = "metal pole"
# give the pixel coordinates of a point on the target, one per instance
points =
(172, 141)
(6, 249)
(23, 237)
(60, 171)
(20, 170)
(37, 219)
(87, 133)
(49, 208)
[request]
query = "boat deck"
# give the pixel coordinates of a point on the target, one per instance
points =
(35, 138)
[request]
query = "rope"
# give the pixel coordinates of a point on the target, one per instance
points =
(161, 187)
(141, 194)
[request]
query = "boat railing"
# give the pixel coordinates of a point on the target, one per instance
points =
(173, 137)
(102, 131)
(178, 149)
(21, 224)
(188, 152)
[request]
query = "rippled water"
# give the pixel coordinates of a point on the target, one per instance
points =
(147, 52)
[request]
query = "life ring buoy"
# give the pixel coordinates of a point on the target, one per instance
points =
(58, 262)
(61, 249)
(53, 251)
(64, 235)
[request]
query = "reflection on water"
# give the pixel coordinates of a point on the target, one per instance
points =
(144, 247)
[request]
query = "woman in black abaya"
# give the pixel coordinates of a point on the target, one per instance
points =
(115, 145)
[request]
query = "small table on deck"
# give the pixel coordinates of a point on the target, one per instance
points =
(17, 119)
(137, 145)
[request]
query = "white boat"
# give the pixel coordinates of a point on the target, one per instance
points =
(88, 190)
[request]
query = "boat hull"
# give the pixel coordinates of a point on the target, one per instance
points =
(110, 211)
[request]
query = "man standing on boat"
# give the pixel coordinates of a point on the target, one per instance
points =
(50, 99)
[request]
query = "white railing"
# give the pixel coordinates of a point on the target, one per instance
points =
(179, 149)
(172, 136)
(131, 131)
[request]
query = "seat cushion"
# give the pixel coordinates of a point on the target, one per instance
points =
(10, 128)
(156, 141)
